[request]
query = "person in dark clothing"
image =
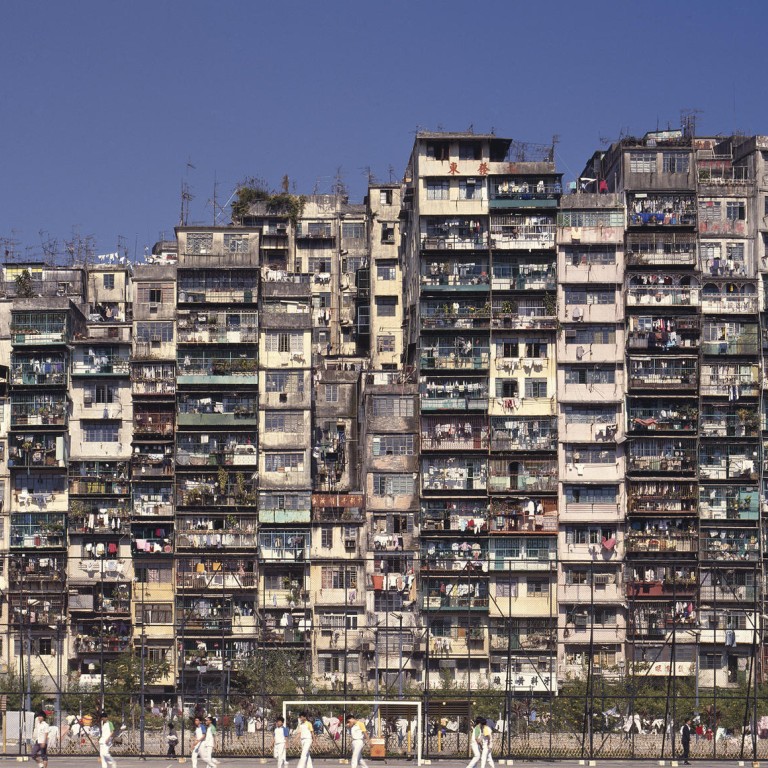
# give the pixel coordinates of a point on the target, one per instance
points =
(685, 739)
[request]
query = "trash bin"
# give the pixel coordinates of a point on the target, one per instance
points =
(378, 749)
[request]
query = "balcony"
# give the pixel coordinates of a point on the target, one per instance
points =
(443, 434)
(38, 531)
(157, 380)
(661, 210)
(517, 193)
(524, 277)
(214, 574)
(520, 231)
(728, 461)
(665, 292)
(96, 516)
(284, 545)
(649, 581)
(37, 450)
(217, 328)
(450, 241)
(29, 370)
(101, 570)
(226, 286)
(729, 502)
(84, 645)
(722, 421)
(36, 492)
(152, 540)
(217, 410)
(153, 349)
(662, 416)
(157, 424)
(224, 251)
(662, 541)
(651, 620)
(728, 301)
(229, 538)
(731, 380)
(721, 175)
(455, 353)
(662, 456)
(277, 283)
(665, 334)
(672, 249)
(586, 512)
(730, 341)
(454, 276)
(668, 373)
(39, 410)
(98, 478)
(436, 602)
(454, 395)
(217, 367)
(39, 328)
(524, 476)
(454, 474)
(457, 316)
(661, 497)
(152, 500)
(151, 461)
(453, 556)
(518, 434)
(729, 545)
(217, 450)
(101, 362)
(204, 490)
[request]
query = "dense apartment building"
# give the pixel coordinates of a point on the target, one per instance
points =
(476, 431)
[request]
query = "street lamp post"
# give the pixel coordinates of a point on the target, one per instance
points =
(399, 617)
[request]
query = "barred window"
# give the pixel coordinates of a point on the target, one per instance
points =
(675, 162)
(589, 454)
(284, 421)
(393, 445)
(282, 381)
(101, 431)
(285, 342)
(154, 331)
(386, 306)
(437, 189)
(392, 405)
(154, 613)
(591, 494)
(393, 485)
(535, 388)
(284, 462)
(353, 230)
(235, 243)
(199, 242)
(642, 162)
(385, 343)
(589, 375)
(590, 218)
(335, 577)
(386, 270)
(735, 211)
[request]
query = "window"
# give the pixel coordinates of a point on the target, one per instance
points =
(350, 264)
(573, 576)
(711, 661)
(735, 211)
(591, 334)
(285, 342)
(101, 432)
(385, 343)
(158, 332)
(709, 211)
(392, 405)
(335, 577)
(109, 280)
(507, 588)
(386, 306)
(199, 242)
(535, 388)
(393, 485)
(283, 382)
(103, 394)
(387, 232)
(589, 454)
(386, 270)
(642, 162)
(591, 218)
(591, 494)
(331, 393)
(385, 197)
(470, 150)
(437, 189)
(319, 264)
(353, 230)
(506, 388)
(154, 574)
(470, 189)
(154, 613)
(438, 150)
(537, 587)
(582, 257)
(605, 617)
(393, 445)
(675, 162)
(535, 348)
(235, 243)
(590, 296)
(290, 422)
(589, 375)
(284, 462)
(326, 537)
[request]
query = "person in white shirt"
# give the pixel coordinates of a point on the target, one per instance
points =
(486, 736)
(40, 748)
(359, 735)
(105, 742)
(209, 742)
(279, 743)
(306, 737)
(475, 739)
(197, 741)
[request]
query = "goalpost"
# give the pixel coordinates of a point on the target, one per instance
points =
(351, 707)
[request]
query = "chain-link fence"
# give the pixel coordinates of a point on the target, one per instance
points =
(597, 721)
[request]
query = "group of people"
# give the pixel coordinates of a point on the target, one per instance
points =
(45, 734)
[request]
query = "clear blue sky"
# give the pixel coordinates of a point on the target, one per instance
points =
(103, 104)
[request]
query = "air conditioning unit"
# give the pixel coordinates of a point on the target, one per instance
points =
(603, 579)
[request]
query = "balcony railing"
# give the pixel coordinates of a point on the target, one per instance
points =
(478, 241)
(662, 459)
(523, 483)
(101, 365)
(443, 603)
(661, 542)
(662, 295)
(522, 236)
(743, 345)
(32, 371)
(476, 359)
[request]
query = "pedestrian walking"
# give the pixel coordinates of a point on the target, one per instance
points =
(486, 745)
(209, 742)
(239, 725)
(105, 742)
(685, 739)
(40, 748)
(172, 740)
(280, 739)
(197, 740)
(475, 737)
(359, 734)
(306, 737)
